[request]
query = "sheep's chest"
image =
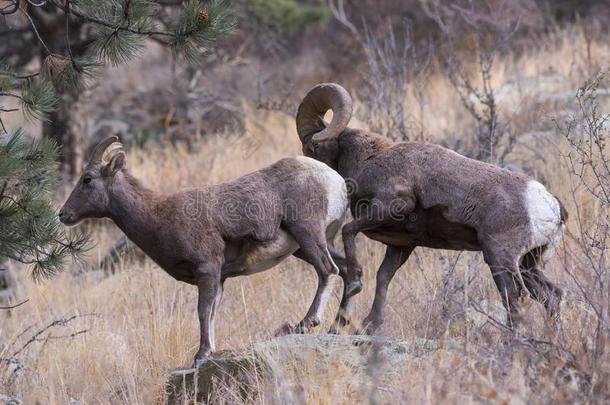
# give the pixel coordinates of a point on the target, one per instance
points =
(250, 257)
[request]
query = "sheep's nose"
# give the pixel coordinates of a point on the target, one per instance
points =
(62, 216)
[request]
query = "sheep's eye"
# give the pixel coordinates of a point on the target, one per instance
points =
(87, 180)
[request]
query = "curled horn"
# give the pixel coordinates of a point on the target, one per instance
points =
(321, 98)
(100, 148)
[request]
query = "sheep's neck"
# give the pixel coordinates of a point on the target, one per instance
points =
(354, 148)
(132, 210)
(347, 166)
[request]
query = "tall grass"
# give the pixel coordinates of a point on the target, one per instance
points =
(117, 336)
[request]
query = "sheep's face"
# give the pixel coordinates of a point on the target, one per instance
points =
(90, 197)
(324, 151)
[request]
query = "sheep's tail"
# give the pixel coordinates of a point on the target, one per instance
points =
(563, 213)
(550, 248)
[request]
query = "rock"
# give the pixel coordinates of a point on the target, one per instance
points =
(5, 400)
(274, 368)
(226, 367)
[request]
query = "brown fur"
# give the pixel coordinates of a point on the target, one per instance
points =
(414, 194)
(204, 235)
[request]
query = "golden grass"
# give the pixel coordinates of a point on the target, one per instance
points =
(138, 323)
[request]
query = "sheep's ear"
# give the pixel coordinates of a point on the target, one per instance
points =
(117, 162)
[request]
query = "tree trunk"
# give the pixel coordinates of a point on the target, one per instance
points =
(60, 124)
(7, 284)
(69, 138)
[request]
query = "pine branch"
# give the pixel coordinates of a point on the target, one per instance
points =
(29, 230)
(89, 18)
(197, 28)
(38, 98)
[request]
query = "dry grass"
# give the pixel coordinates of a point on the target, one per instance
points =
(139, 323)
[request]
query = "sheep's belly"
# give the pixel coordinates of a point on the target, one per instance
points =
(265, 255)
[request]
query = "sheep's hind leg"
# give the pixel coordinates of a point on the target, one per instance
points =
(314, 250)
(541, 288)
(342, 319)
(505, 271)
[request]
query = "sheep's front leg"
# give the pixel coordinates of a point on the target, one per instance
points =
(379, 213)
(353, 274)
(395, 256)
(210, 289)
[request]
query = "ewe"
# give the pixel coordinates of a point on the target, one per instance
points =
(204, 235)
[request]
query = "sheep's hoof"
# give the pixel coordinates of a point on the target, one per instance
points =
(306, 325)
(362, 336)
(286, 328)
(352, 288)
(339, 324)
(362, 343)
(289, 328)
(336, 328)
(198, 361)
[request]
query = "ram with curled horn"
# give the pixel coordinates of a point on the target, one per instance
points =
(204, 235)
(414, 194)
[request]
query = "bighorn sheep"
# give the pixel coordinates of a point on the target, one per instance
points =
(418, 194)
(203, 236)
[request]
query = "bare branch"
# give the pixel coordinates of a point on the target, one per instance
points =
(58, 322)
(24, 12)
(14, 306)
(338, 11)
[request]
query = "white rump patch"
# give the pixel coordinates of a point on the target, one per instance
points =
(335, 189)
(544, 215)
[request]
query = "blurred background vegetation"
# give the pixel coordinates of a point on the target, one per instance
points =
(204, 91)
(53, 55)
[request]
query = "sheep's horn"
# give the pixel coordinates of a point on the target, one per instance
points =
(100, 148)
(321, 98)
